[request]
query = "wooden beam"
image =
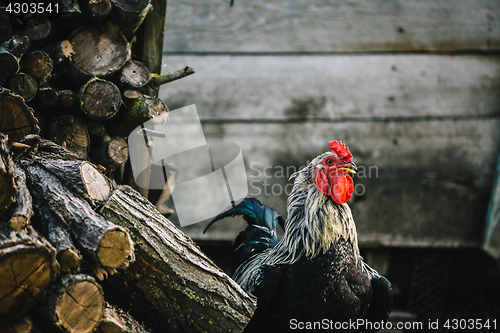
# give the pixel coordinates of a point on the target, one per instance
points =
(333, 26)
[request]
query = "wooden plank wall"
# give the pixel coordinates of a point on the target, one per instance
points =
(412, 87)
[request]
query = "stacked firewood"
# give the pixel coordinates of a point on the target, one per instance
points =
(70, 236)
(68, 73)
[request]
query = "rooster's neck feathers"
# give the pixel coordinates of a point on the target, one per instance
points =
(314, 224)
(314, 218)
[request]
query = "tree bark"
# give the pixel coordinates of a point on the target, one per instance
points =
(49, 149)
(174, 287)
(117, 321)
(80, 177)
(99, 50)
(99, 240)
(73, 132)
(23, 206)
(138, 108)
(37, 64)
(131, 14)
(75, 306)
(158, 80)
(99, 99)
(24, 85)
(28, 269)
(7, 184)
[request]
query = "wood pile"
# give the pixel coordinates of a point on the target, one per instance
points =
(69, 73)
(71, 238)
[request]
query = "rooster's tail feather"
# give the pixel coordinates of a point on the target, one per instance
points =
(259, 235)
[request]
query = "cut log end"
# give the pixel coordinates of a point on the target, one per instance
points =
(96, 185)
(73, 132)
(115, 249)
(100, 99)
(27, 269)
(80, 308)
(17, 118)
(76, 305)
(38, 64)
(18, 222)
(69, 259)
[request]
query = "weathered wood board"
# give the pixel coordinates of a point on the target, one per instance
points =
(425, 134)
(339, 87)
(420, 183)
(332, 26)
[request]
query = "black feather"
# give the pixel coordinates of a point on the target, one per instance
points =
(259, 235)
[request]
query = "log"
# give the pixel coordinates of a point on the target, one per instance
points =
(131, 14)
(22, 325)
(99, 99)
(134, 75)
(24, 85)
(68, 256)
(37, 64)
(99, 50)
(138, 108)
(67, 99)
(49, 149)
(17, 45)
(73, 132)
(157, 80)
(81, 177)
(46, 97)
(117, 321)
(36, 26)
(172, 285)
(6, 31)
(60, 52)
(97, 131)
(6, 175)
(28, 269)
(99, 240)
(112, 154)
(23, 210)
(9, 62)
(17, 118)
(75, 306)
(95, 10)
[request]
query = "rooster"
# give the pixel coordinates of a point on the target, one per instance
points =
(314, 277)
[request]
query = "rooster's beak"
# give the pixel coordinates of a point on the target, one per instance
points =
(349, 167)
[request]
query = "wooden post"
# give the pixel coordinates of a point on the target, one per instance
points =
(149, 48)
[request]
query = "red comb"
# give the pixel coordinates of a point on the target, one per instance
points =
(342, 152)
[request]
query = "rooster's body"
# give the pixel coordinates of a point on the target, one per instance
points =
(314, 275)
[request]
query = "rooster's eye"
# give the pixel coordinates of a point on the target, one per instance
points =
(329, 162)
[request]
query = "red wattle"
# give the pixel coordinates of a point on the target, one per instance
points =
(342, 188)
(322, 181)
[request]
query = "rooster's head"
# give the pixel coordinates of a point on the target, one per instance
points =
(332, 173)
